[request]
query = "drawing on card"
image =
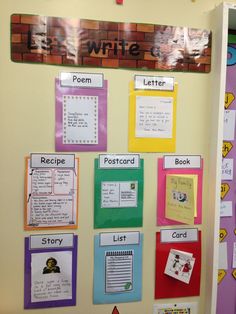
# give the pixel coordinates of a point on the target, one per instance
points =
(119, 271)
(154, 117)
(80, 119)
(180, 265)
(119, 194)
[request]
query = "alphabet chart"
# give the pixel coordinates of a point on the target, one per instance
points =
(51, 191)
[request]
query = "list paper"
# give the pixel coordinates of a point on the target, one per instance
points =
(119, 194)
(154, 117)
(119, 271)
(80, 119)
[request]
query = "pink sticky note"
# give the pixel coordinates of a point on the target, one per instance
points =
(161, 193)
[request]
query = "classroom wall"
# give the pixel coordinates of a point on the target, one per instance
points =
(27, 123)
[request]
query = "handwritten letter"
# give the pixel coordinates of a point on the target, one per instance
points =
(154, 117)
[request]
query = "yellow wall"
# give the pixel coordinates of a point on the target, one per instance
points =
(27, 118)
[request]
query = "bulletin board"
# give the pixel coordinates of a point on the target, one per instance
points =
(27, 100)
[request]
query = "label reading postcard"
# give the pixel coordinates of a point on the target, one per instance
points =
(154, 117)
(119, 194)
(80, 119)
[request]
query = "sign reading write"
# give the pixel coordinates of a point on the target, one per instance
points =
(80, 42)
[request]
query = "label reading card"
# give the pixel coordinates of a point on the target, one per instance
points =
(154, 117)
(119, 194)
(179, 235)
(80, 119)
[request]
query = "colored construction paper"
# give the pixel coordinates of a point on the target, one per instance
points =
(167, 286)
(51, 191)
(118, 197)
(50, 271)
(152, 120)
(161, 191)
(81, 118)
(117, 270)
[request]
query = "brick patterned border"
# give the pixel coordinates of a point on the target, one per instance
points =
(75, 42)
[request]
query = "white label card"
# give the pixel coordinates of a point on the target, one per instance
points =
(154, 82)
(154, 117)
(119, 194)
(179, 235)
(223, 256)
(227, 169)
(51, 241)
(226, 209)
(182, 161)
(76, 79)
(176, 308)
(52, 160)
(119, 161)
(234, 256)
(80, 119)
(229, 125)
(119, 238)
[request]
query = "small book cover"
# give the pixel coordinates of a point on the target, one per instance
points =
(181, 198)
(180, 265)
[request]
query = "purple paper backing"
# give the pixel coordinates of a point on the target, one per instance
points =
(102, 118)
(27, 277)
(226, 298)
